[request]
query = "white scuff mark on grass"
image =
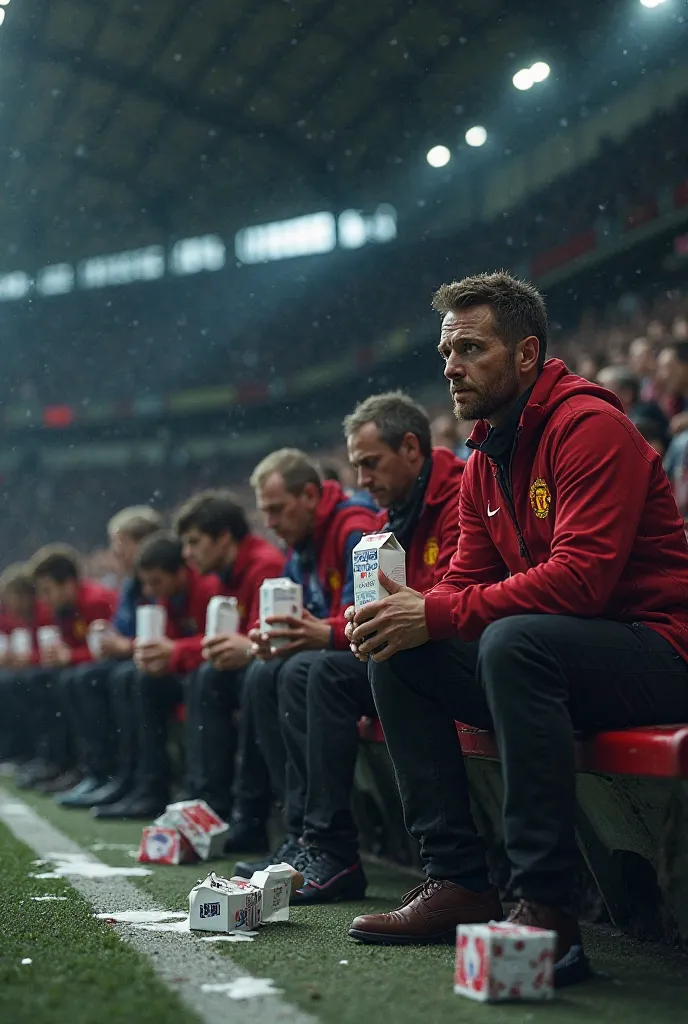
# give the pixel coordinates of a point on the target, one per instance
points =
(20, 810)
(244, 988)
(143, 916)
(42, 899)
(26, 961)
(166, 926)
(343, 963)
(66, 865)
(231, 937)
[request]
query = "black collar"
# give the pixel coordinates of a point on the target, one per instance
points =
(499, 442)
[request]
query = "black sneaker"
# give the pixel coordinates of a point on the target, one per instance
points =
(328, 879)
(290, 852)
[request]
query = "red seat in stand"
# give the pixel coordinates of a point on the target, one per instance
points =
(652, 751)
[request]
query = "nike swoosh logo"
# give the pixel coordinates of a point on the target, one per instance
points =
(492, 512)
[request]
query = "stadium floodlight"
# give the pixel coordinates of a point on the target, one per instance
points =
(652, 3)
(523, 79)
(438, 156)
(540, 71)
(476, 136)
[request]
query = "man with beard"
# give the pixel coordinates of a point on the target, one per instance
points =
(565, 607)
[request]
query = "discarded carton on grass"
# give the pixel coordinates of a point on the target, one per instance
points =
(376, 551)
(501, 961)
(222, 905)
(278, 598)
(275, 882)
(204, 830)
(164, 846)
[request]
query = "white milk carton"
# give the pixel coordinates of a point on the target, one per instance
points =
(222, 616)
(377, 551)
(279, 597)
(219, 905)
(151, 620)
(47, 637)
(21, 643)
(199, 824)
(500, 961)
(94, 638)
(275, 883)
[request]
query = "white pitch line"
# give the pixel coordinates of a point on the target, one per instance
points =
(183, 964)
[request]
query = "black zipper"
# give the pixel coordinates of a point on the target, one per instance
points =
(507, 493)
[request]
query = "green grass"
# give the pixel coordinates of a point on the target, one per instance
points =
(642, 985)
(79, 965)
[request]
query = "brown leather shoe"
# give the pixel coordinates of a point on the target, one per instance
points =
(570, 962)
(428, 914)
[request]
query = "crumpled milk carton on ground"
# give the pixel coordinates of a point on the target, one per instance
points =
(376, 551)
(275, 882)
(500, 961)
(164, 846)
(204, 830)
(220, 905)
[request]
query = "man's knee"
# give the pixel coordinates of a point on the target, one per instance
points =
(503, 646)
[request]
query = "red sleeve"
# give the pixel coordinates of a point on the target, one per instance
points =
(81, 654)
(186, 654)
(100, 608)
(600, 496)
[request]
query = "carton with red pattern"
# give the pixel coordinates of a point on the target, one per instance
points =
(499, 961)
(164, 846)
(204, 830)
(224, 905)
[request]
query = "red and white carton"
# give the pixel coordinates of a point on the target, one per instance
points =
(275, 883)
(224, 905)
(199, 824)
(499, 961)
(376, 551)
(164, 846)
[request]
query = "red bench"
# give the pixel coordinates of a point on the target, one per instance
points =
(631, 816)
(659, 752)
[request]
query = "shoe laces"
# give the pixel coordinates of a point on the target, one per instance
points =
(526, 913)
(425, 890)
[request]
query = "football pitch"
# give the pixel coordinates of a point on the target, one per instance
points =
(84, 970)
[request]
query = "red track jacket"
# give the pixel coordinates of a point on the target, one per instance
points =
(437, 531)
(93, 602)
(186, 620)
(601, 534)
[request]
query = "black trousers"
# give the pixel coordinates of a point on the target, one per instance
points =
(121, 682)
(533, 679)
(16, 734)
(95, 724)
(211, 699)
(322, 696)
(47, 703)
(261, 712)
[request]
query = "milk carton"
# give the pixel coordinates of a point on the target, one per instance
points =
(47, 637)
(377, 551)
(151, 620)
(21, 643)
(94, 638)
(278, 598)
(501, 961)
(164, 846)
(222, 616)
(222, 905)
(275, 883)
(204, 830)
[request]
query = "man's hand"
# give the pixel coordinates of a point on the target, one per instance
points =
(114, 645)
(228, 651)
(678, 423)
(153, 656)
(56, 656)
(395, 623)
(304, 634)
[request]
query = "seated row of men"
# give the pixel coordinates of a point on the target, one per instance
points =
(562, 605)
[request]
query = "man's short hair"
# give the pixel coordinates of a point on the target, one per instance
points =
(295, 467)
(136, 522)
(619, 378)
(518, 309)
(17, 578)
(395, 415)
(161, 551)
(214, 513)
(57, 562)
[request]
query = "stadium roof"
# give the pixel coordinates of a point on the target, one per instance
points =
(125, 121)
